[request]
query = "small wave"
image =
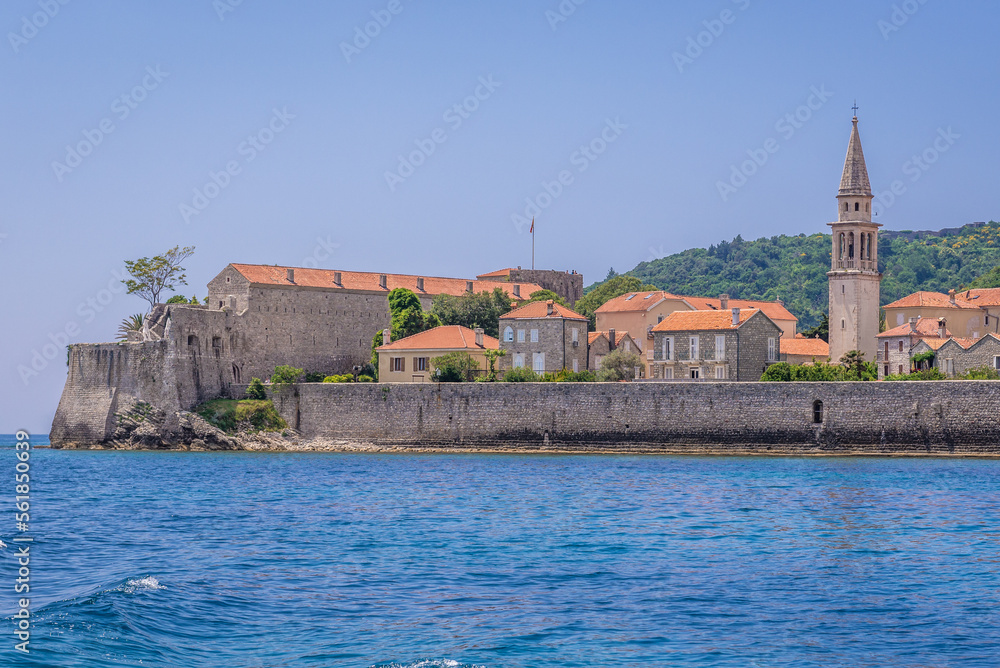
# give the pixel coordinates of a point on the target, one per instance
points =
(429, 663)
(148, 583)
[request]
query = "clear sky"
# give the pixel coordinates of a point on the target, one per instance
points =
(281, 133)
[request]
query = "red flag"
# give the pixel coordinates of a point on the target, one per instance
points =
(532, 230)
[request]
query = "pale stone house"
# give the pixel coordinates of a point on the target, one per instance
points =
(802, 350)
(544, 337)
(408, 360)
(714, 345)
(957, 355)
(599, 345)
(970, 313)
(896, 346)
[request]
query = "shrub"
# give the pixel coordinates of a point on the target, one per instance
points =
(924, 374)
(618, 365)
(285, 375)
(365, 378)
(314, 377)
(250, 415)
(981, 373)
(520, 375)
(178, 299)
(456, 367)
(342, 378)
(256, 391)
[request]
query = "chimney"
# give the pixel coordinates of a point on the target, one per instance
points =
(548, 307)
(479, 336)
(291, 275)
(337, 277)
(913, 324)
(468, 286)
(517, 290)
(942, 328)
(383, 281)
(724, 299)
(386, 336)
(611, 339)
(420, 283)
(736, 317)
(951, 297)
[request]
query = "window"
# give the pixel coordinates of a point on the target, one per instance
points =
(668, 374)
(850, 246)
(857, 206)
(576, 335)
(668, 348)
(597, 361)
(520, 336)
(216, 341)
(538, 362)
(900, 345)
(518, 361)
(772, 345)
(508, 335)
(900, 369)
(885, 371)
(695, 372)
(996, 362)
(720, 372)
(949, 365)
(576, 366)
(628, 346)
(420, 364)
(845, 206)
(720, 346)
(843, 324)
(397, 364)
(534, 336)
(693, 343)
(817, 412)
(630, 297)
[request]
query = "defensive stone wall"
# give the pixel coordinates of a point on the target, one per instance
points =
(943, 417)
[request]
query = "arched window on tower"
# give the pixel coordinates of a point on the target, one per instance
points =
(845, 206)
(841, 249)
(861, 240)
(850, 246)
(857, 206)
(869, 245)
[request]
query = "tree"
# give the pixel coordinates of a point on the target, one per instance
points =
(151, 276)
(856, 368)
(285, 376)
(618, 365)
(407, 318)
(178, 299)
(822, 330)
(492, 355)
(474, 310)
(615, 287)
(133, 323)
(256, 391)
(455, 367)
(544, 296)
(521, 374)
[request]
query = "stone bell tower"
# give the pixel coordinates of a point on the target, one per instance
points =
(854, 277)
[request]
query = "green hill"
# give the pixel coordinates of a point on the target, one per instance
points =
(793, 269)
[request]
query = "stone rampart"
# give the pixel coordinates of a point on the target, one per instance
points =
(943, 417)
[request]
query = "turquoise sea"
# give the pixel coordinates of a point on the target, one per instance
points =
(240, 559)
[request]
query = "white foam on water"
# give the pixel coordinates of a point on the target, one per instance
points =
(148, 583)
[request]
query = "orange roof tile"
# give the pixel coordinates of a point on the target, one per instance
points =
(635, 301)
(773, 310)
(934, 343)
(699, 321)
(447, 337)
(619, 337)
(370, 281)
(800, 345)
(925, 327)
(539, 309)
(982, 296)
(499, 273)
(929, 299)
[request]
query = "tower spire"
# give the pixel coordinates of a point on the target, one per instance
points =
(854, 182)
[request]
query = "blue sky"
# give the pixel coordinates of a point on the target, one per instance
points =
(273, 132)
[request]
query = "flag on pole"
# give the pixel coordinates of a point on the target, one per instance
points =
(532, 230)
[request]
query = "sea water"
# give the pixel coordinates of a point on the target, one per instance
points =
(265, 559)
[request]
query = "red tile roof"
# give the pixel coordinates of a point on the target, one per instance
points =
(803, 346)
(700, 321)
(967, 343)
(619, 337)
(773, 310)
(533, 310)
(635, 301)
(370, 281)
(499, 273)
(929, 299)
(448, 337)
(982, 296)
(925, 327)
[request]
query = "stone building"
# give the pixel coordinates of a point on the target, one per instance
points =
(854, 277)
(566, 284)
(802, 350)
(957, 355)
(409, 360)
(714, 345)
(599, 345)
(896, 346)
(545, 337)
(970, 313)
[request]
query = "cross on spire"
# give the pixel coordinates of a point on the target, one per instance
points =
(855, 107)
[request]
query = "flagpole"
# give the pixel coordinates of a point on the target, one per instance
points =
(532, 243)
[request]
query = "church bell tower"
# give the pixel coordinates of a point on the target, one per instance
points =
(854, 277)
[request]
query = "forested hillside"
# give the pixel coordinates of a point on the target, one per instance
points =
(793, 269)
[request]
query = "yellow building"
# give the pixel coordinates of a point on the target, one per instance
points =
(409, 360)
(969, 314)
